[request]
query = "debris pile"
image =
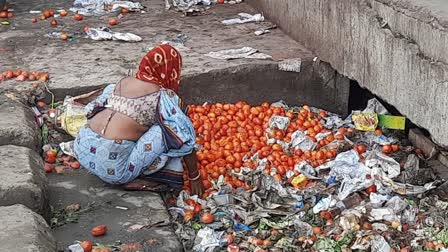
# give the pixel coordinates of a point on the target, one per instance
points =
(282, 178)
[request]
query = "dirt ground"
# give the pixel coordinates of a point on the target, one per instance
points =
(82, 64)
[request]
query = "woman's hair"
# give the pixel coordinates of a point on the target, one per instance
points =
(162, 66)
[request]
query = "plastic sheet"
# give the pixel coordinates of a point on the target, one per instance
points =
(245, 18)
(385, 165)
(102, 7)
(239, 53)
(104, 33)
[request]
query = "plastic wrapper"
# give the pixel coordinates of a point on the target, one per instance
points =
(386, 165)
(288, 65)
(245, 18)
(346, 165)
(303, 229)
(365, 121)
(67, 148)
(72, 118)
(101, 7)
(397, 204)
(324, 204)
(104, 33)
(279, 104)
(279, 122)
(75, 248)
(385, 213)
(299, 140)
(349, 220)
(240, 53)
(306, 169)
(377, 200)
(375, 106)
(185, 5)
(380, 226)
(379, 244)
(407, 189)
(207, 238)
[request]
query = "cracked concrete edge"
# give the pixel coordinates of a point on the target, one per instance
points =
(396, 64)
(420, 11)
(24, 230)
(28, 184)
(18, 126)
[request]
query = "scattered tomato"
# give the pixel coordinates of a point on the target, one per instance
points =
(78, 17)
(361, 148)
(326, 215)
(63, 13)
(197, 208)
(395, 147)
(112, 21)
(367, 226)
(48, 168)
(54, 22)
(41, 104)
(387, 149)
(124, 10)
(10, 14)
(87, 246)
(3, 14)
(207, 218)
(371, 189)
(46, 13)
(75, 165)
(64, 36)
(99, 230)
(33, 20)
(317, 230)
(378, 132)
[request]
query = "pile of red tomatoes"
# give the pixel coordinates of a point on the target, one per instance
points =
(229, 132)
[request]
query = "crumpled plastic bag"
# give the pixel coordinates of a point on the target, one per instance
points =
(104, 33)
(299, 140)
(245, 18)
(185, 5)
(279, 122)
(375, 106)
(239, 53)
(377, 200)
(72, 118)
(379, 244)
(387, 166)
(102, 7)
(207, 238)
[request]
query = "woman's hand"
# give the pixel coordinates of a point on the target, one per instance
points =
(197, 187)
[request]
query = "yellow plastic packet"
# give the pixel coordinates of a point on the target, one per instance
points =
(299, 182)
(73, 119)
(365, 121)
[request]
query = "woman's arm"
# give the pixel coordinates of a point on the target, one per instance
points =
(191, 161)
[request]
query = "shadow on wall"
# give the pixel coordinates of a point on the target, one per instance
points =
(358, 101)
(317, 85)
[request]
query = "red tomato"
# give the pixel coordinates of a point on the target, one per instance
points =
(207, 218)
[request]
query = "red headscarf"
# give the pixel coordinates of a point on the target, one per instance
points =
(162, 66)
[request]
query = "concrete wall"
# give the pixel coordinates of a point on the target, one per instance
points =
(395, 48)
(317, 84)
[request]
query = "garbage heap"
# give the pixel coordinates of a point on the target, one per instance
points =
(282, 178)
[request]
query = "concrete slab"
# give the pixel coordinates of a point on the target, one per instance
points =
(18, 126)
(84, 64)
(141, 208)
(23, 180)
(394, 48)
(25, 231)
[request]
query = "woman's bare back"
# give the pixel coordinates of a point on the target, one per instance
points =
(121, 126)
